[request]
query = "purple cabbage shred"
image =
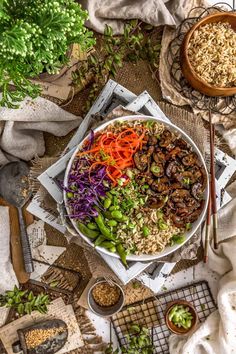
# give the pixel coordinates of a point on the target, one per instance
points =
(87, 189)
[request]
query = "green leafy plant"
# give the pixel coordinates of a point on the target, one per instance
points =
(138, 42)
(24, 301)
(139, 341)
(35, 36)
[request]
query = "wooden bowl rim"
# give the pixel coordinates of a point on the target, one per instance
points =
(172, 327)
(186, 42)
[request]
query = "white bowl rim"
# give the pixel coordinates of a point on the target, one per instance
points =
(169, 249)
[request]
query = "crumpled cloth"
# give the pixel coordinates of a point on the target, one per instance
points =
(217, 335)
(154, 12)
(21, 130)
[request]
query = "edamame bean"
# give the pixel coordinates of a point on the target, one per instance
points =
(116, 214)
(92, 226)
(86, 231)
(109, 195)
(114, 207)
(115, 200)
(107, 244)
(99, 240)
(70, 195)
(112, 249)
(124, 218)
(122, 253)
(107, 203)
(102, 227)
(112, 223)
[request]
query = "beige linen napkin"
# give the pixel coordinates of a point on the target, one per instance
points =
(155, 12)
(21, 130)
(218, 334)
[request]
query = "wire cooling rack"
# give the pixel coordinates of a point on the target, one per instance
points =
(150, 313)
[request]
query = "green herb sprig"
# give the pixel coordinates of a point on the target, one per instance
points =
(138, 42)
(35, 38)
(24, 301)
(138, 341)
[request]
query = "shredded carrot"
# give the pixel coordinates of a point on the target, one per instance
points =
(115, 151)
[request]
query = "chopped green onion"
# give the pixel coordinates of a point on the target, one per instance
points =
(186, 180)
(129, 173)
(162, 225)
(155, 169)
(178, 239)
(188, 226)
(159, 214)
(146, 231)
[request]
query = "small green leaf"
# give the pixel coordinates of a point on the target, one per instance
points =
(134, 23)
(20, 309)
(30, 296)
(28, 308)
(10, 293)
(54, 283)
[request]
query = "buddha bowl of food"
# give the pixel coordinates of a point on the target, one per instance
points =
(136, 188)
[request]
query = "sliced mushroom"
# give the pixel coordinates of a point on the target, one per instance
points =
(181, 143)
(172, 168)
(190, 159)
(178, 220)
(173, 153)
(152, 140)
(197, 191)
(156, 202)
(143, 178)
(161, 186)
(166, 138)
(179, 195)
(141, 160)
(195, 215)
(159, 156)
(176, 185)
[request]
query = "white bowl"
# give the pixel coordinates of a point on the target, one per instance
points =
(195, 225)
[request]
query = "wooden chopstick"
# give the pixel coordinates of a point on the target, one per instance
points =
(207, 233)
(212, 181)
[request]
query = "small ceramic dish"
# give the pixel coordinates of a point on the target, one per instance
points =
(105, 311)
(180, 330)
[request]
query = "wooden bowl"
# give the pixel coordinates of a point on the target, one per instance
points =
(187, 69)
(180, 330)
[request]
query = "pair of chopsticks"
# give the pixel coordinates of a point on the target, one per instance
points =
(212, 207)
